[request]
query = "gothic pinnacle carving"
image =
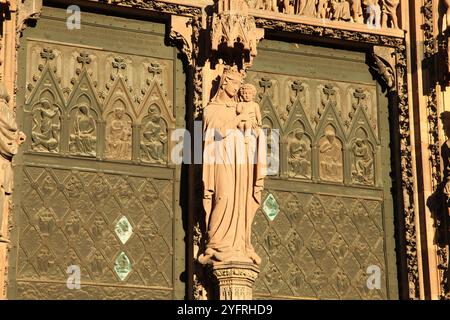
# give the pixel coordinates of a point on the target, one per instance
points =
(234, 34)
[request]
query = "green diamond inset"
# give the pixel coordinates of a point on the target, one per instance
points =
(122, 266)
(271, 207)
(123, 229)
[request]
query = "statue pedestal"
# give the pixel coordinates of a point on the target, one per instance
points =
(235, 280)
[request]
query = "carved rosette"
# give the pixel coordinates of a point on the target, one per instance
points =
(235, 280)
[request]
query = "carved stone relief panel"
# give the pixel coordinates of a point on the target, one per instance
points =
(83, 131)
(328, 129)
(102, 105)
(118, 133)
(154, 137)
(77, 218)
(375, 13)
(46, 127)
(330, 156)
(328, 215)
(95, 186)
(320, 246)
(299, 153)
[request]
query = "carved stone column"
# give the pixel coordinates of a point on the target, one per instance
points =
(235, 280)
(14, 16)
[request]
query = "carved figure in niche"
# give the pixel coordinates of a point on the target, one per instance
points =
(307, 8)
(250, 108)
(83, 139)
(46, 220)
(373, 14)
(43, 260)
(73, 225)
(98, 228)
(10, 140)
(100, 190)
(299, 149)
(389, 13)
(232, 189)
(342, 282)
(119, 136)
(154, 137)
(356, 9)
(330, 155)
(74, 187)
(97, 264)
(340, 10)
(363, 162)
(272, 149)
(46, 126)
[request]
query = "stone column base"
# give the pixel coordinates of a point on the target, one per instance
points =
(235, 280)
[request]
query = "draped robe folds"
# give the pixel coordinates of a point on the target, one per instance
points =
(233, 178)
(10, 139)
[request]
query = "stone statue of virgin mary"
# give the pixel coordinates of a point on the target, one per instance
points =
(233, 177)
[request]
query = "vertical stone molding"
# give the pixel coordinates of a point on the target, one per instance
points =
(14, 17)
(235, 280)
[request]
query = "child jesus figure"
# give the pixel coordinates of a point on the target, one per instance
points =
(249, 107)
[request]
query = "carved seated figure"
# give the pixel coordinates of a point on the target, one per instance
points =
(330, 157)
(153, 138)
(46, 126)
(119, 136)
(84, 138)
(298, 153)
(363, 171)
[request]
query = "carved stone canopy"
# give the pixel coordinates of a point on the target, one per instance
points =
(234, 33)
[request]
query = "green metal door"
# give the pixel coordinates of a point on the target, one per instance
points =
(95, 189)
(327, 225)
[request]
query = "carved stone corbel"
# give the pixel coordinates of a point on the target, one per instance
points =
(383, 64)
(181, 33)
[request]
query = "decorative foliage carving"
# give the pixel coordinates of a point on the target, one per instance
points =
(407, 171)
